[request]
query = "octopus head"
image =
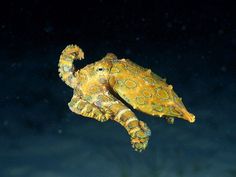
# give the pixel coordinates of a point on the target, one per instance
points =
(102, 71)
(98, 71)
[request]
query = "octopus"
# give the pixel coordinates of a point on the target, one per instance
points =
(109, 88)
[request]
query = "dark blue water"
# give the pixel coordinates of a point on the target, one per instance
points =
(40, 136)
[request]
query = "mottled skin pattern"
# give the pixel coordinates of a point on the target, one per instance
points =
(97, 86)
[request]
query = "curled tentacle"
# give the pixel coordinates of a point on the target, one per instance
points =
(66, 67)
(139, 140)
(138, 130)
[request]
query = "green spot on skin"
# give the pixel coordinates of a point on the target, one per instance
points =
(157, 107)
(119, 83)
(141, 134)
(80, 106)
(150, 80)
(66, 68)
(130, 83)
(94, 89)
(140, 100)
(162, 94)
(146, 93)
(88, 98)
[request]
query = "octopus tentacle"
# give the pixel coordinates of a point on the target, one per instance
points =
(80, 106)
(138, 130)
(66, 67)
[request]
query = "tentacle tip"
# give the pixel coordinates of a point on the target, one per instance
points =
(81, 55)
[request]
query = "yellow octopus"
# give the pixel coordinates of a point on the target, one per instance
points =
(101, 88)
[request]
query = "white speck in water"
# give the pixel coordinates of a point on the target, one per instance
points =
(223, 68)
(5, 122)
(59, 131)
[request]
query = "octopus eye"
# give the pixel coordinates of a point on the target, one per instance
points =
(100, 69)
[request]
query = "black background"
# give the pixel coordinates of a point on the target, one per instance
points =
(191, 43)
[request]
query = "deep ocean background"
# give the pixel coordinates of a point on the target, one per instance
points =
(192, 44)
